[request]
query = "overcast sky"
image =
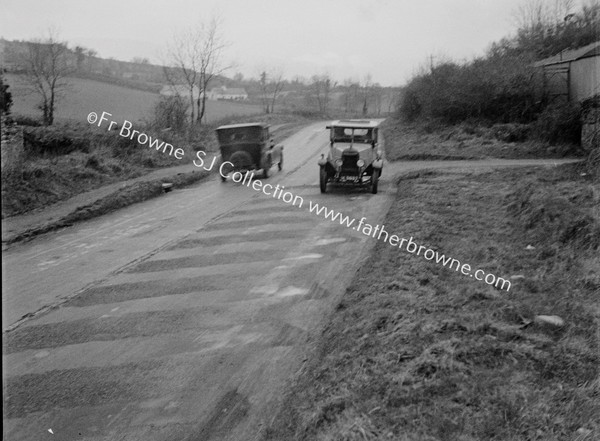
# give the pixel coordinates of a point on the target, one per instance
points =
(388, 39)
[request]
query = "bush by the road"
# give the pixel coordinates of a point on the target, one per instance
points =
(495, 89)
(558, 123)
(503, 86)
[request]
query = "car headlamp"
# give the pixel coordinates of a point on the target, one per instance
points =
(339, 162)
(360, 163)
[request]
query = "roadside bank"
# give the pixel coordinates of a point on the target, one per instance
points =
(97, 202)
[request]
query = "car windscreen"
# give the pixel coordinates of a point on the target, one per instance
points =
(240, 135)
(349, 134)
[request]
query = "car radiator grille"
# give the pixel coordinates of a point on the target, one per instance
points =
(349, 160)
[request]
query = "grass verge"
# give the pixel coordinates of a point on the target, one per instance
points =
(423, 141)
(415, 351)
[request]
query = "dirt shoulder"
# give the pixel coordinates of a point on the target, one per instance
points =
(419, 351)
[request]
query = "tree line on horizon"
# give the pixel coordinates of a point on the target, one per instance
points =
(195, 61)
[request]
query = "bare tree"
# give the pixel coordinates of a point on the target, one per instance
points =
(270, 84)
(91, 55)
(351, 96)
(393, 100)
(211, 60)
(347, 96)
(185, 54)
(276, 87)
(264, 90)
(196, 58)
(367, 90)
(47, 64)
(377, 97)
(542, 15)
(539, 20)
(321, 90)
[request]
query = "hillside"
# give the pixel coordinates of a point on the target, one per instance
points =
(85, 96)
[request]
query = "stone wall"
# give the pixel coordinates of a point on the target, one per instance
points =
(11, 147)
(590, 129)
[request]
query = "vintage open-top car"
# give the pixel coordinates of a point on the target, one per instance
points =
(354, 155)
(248, 147)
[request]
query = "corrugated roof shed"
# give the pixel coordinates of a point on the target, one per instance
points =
(591, 50)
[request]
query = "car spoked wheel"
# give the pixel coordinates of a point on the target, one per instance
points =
(375, 180)
(323, 178)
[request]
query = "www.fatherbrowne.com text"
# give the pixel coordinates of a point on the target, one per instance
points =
(378, 232)
(277, 192)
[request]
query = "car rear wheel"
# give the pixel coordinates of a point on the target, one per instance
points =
(375, 180)
(224, 170)
(241, 160)
(323, 179)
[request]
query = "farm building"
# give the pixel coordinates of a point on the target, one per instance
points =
(181, 90)
(216, 93)
(224, 93)
(573, 75)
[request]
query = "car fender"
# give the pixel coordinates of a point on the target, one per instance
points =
(378, 163)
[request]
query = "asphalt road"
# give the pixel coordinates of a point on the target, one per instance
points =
(183, 317)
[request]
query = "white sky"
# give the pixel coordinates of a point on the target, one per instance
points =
(388, 39)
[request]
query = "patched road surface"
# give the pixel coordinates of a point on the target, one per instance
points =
(196, 338)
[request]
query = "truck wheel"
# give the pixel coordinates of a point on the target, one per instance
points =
(323, 179)
(280, 165)
(375, 180)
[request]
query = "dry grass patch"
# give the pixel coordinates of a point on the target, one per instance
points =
(416, 351)
(422, 141)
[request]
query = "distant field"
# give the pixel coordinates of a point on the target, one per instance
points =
(85, 96)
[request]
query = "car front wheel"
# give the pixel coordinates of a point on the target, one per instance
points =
(375, 180)
(323, 179)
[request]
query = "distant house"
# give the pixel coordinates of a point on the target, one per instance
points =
(572, 74)
(181, 90)
(224, 93)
